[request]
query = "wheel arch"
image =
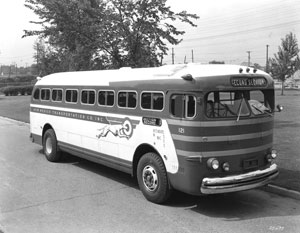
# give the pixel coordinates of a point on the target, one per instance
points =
(139, 152)
(45, 128)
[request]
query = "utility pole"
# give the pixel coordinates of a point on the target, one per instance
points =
(192, 55)
(248, 57)
(267, 59)
(173, 56)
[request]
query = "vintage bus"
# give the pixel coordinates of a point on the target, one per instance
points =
(200, 129)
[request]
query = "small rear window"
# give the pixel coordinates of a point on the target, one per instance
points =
(36, 94)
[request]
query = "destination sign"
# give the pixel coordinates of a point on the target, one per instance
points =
(248, 82)
(152, 121)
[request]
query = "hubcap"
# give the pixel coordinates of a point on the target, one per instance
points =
(49, 146)
(150, 178)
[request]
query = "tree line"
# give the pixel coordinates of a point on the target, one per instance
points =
(104, 34)
(107, 34)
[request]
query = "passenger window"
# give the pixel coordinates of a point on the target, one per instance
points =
(183, 106)
(36, 94)
(45, 94)
(127, 99)
(71, 96)
(153, 101)
(88, 97)
(57, 95)
(106, 98)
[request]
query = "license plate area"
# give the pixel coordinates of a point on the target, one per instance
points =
(250, 163)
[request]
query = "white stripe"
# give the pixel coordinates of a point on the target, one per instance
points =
(221, 138)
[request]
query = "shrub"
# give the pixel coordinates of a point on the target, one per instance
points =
(16, 90)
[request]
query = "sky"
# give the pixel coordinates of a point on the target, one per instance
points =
(226, 30)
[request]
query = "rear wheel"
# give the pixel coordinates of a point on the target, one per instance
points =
(152, 178)
(51, 151)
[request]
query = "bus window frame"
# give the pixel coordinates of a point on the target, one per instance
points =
(105, 105)
(70, 89)
(127, 97)
(184, 114)
(62, 97)
(45, 100)
(88, 90)
(151, 109)
(39, 95)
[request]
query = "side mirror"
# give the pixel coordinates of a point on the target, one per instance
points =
(279, 108)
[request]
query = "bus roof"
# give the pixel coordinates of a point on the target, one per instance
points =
(106, 77)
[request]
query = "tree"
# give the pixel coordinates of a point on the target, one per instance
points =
(102, 34)
(286, 61)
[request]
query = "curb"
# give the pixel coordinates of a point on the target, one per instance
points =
(14, 121)
(281, 191)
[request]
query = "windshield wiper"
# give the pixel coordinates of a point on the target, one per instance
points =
(240, 110)
(261, 111)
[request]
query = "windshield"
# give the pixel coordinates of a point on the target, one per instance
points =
(238, 103)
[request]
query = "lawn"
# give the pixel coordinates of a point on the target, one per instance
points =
(15, 107)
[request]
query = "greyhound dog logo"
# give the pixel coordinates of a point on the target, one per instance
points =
(118, 129)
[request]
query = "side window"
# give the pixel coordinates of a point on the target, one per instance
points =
(106, 98)
(45, 94)
(127, 99)
(183, 106)
(36, 94)
(71, 96)
(88, 97)
(57, 95)
(152, 101)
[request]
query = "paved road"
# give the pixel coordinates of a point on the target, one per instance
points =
(79, 196)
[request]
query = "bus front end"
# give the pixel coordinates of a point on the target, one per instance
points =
(228, 147)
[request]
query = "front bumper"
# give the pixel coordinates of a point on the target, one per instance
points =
(239, 182)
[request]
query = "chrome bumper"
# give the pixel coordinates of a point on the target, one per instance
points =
(239, 182)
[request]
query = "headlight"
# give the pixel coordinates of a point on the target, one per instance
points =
(271, 156)
(274, 154)
(213, 163)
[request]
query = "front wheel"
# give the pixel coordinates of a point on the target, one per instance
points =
(152, 178)
(50, 146)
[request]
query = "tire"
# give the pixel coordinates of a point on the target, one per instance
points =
(152, 178)
(50, 149)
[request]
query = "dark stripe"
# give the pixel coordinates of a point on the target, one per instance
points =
(222, 130)
(223, 145)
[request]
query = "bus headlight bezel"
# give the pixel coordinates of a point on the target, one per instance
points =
(213, 163)
(271, 156)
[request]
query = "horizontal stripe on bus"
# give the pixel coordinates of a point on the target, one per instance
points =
(221, 138)
(97, 157)
(221, 130)
(222, 145)
(79, 115)
(217, 122)
(195, 154)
